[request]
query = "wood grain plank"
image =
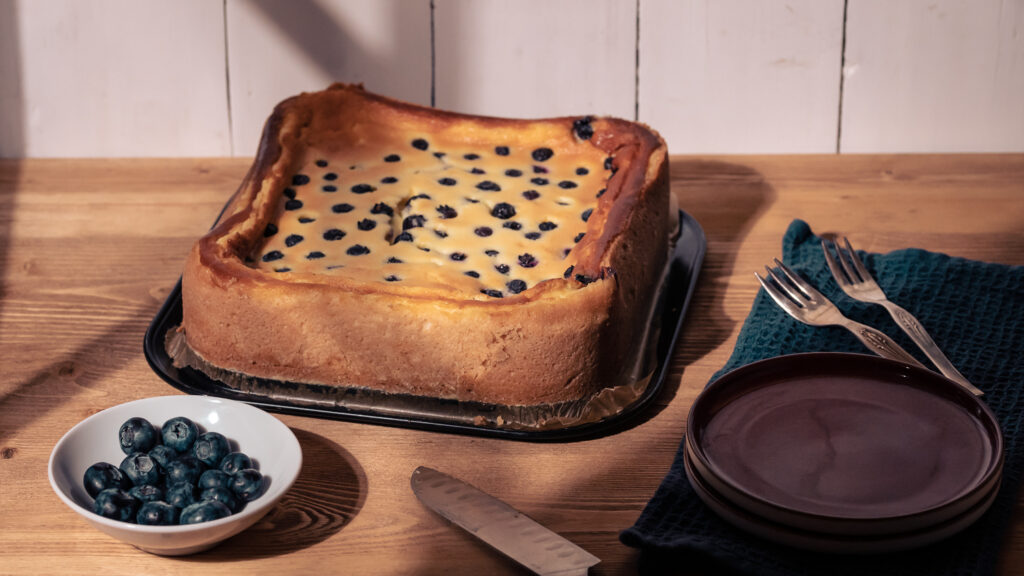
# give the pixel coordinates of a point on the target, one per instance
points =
(278, 49)
(534, 58)
(115, 78)
(741, 77)
(934, 76)
(73, 311)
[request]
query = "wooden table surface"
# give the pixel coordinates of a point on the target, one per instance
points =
(89, 249)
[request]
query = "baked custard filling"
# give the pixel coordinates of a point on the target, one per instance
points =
(488, 221)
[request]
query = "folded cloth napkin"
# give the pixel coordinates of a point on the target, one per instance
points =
(973, 310)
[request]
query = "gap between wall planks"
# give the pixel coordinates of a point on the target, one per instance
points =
(941, 76)
(737, 76)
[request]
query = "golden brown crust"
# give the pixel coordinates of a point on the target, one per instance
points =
(559, 340)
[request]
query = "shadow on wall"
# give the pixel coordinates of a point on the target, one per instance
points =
(12, 144)
(383, 44)
(320, 37)
(12, 136)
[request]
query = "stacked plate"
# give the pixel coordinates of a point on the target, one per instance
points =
(843, 453)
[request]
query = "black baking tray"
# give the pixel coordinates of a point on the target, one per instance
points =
(440, 414)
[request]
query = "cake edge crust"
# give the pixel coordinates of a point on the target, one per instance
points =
(561, 340)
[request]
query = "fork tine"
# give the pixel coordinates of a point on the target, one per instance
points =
(858, 264)
(785, 303)
(810, 292)
(792, 292)
(838, 272)
(847, 258)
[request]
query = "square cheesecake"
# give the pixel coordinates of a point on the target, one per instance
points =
(378, 244)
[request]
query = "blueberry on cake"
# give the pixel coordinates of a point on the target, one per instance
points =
(377, 244)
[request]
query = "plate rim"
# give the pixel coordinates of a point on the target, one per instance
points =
(738, 495)
(847, 543)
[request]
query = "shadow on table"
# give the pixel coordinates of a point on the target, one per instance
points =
(725, 199)
(328, 494)
(87, 367)
(26, 395)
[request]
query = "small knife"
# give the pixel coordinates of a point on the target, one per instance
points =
(503, 527)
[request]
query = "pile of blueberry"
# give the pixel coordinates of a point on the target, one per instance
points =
(174, 475)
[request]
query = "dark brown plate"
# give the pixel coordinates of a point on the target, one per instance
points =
(845, 443)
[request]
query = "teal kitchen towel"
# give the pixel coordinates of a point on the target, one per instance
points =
(973, 310)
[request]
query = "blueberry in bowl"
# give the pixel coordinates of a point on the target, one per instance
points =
(103, 475)
(181, 495)
(116, 504)
(147, 493)
(204, 511)
(191, 465)
(214, 479)
(157, 514)
(234, 462)
(137, 435)
(248, 484)
(222, 495)
(140, 469)
(179, 434)
(210, 448)
(185, 469)
(144, 499)
(163, 455)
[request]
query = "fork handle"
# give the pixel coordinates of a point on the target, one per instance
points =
(920, 336)
(880, 344)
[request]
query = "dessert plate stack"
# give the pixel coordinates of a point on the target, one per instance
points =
(843, 453)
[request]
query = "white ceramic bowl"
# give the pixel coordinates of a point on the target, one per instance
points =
(264, 438)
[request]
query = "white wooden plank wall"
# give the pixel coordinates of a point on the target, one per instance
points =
(938, 76)
(277, 49)
(734, 76)
(536, 58)
(113, 78)
(198, 77)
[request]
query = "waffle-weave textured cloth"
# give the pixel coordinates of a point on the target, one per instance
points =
(975, 313)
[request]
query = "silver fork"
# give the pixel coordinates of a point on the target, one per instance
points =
(802, 301)
(856, 281)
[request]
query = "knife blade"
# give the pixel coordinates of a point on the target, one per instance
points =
(501, 526)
